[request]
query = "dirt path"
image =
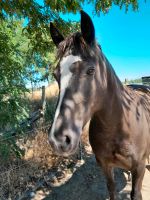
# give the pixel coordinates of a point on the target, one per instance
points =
(87, 182)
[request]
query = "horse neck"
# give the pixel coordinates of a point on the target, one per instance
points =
(111, 109)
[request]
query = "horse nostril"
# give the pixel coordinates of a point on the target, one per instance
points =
(65, 146)
(68, 141)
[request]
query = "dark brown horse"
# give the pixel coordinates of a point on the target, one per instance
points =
(119, 129)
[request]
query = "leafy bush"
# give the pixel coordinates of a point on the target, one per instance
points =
(12, 83)
(13, 107)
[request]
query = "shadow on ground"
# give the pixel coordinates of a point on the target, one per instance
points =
(88, 182)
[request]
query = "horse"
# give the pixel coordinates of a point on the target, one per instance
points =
(89, 89)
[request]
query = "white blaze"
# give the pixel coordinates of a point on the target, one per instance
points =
(65, 76)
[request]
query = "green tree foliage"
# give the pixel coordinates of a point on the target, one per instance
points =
(38, 15)
(50, 9)
(105, 5)
(13, 49)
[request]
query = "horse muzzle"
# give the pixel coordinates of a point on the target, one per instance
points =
(64, 144)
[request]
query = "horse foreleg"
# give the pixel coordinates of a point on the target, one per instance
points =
(137, 178)
(109, 174)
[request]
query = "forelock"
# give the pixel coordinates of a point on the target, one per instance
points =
(75, 45)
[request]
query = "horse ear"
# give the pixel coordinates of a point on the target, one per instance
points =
(55, 34)
(87, 28)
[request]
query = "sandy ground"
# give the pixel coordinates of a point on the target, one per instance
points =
(87, 182)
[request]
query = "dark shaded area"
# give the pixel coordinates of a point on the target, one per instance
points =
(143, 88)
(88, 182)
(146, 80)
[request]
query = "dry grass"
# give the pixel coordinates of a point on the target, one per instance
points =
(34, 99)
(50, 91)
(18, 177)
(39, 151)
(14, 178)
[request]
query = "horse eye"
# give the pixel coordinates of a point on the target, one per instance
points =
(90, 71)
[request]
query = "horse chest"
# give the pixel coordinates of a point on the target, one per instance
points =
(112, 150)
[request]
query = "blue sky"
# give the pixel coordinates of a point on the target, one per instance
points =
(124, 37)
